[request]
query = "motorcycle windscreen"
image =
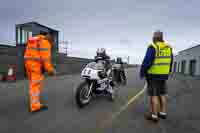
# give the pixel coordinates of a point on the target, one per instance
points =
(100, 65)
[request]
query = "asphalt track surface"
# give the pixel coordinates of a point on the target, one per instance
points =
(125, 114)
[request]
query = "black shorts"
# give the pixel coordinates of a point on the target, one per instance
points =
(156, 87)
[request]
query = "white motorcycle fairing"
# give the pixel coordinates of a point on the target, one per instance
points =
(90, 73)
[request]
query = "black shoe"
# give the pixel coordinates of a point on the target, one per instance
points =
(43, 108)
(162, 116)
(152, 117)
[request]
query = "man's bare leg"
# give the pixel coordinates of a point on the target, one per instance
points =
(150, 105)
(155, 104)
(163, 103)
(163, 107)
(153, 108)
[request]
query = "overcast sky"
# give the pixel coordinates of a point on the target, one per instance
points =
(124, 27)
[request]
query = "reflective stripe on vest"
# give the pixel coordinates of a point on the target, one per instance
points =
(35, 81)
(32, 58)
(35, 59)
(35, 94)
(161, 64)
(38, 49)
(34, 101)
(163, 57)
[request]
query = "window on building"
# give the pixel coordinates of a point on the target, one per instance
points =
(18, 36)
(23, 36)
(192, 67)
(30, 34)
(175, 65)
(183, 64)
(178, 66)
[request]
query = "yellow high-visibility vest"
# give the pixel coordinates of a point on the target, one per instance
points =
(161, 64)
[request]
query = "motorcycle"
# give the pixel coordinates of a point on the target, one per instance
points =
(96, 81)
(119, 75)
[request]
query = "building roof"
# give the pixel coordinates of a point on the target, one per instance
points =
(6, 45)
(36, 23)
(198, 45)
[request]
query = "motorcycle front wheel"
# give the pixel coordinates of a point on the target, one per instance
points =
(82, 98)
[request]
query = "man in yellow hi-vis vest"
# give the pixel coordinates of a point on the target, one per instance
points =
(156, 68)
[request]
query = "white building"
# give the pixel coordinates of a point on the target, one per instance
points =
(188, 61)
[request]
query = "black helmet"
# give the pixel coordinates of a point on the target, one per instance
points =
(101, 51)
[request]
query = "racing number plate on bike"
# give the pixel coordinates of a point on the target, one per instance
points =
(86, 72)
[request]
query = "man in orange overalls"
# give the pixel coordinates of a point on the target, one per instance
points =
(37, 57)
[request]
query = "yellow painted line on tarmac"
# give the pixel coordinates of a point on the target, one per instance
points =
(131, 100)
(128, 103)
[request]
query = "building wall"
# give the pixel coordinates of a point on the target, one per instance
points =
(14, 55)
(188, 55)
(8, 56)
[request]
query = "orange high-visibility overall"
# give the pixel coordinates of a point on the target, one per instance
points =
(37, 56)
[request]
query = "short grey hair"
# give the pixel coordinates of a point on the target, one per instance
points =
(158, 36)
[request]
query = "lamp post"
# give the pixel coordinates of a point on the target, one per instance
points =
(128, 59)
(65, 47)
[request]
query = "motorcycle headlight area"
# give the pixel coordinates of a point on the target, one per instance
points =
(101, 74)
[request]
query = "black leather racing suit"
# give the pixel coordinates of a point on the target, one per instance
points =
(105, 58)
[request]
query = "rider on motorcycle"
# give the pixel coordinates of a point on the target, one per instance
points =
(121, 72)
(119, 60)
(101, 55)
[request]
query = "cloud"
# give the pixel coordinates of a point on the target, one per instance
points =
(123, 27)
